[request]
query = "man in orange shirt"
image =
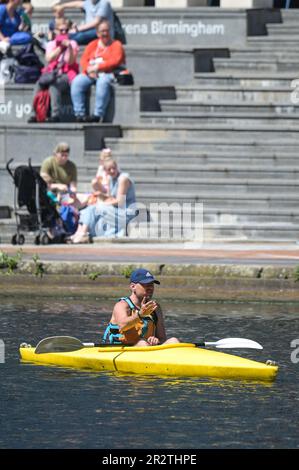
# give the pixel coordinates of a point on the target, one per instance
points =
(101, 58)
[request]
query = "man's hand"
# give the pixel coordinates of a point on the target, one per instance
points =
(74, 29)
(153, 341)
(147, 308)
(66, 43)
(61, 187)
(92, 69)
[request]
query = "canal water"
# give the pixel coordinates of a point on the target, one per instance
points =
(50, 407)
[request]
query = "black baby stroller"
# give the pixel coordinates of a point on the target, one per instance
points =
(34, 211)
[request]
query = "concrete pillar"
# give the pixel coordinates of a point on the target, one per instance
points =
(246, 3)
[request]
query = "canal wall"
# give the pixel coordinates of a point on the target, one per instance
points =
(195, 283)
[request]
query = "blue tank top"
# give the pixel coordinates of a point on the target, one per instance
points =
(130, 196)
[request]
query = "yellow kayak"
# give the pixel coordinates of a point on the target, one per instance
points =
(182, 359)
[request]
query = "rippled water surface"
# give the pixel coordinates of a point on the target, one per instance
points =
(49, 407)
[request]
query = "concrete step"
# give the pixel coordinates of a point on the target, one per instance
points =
(259, 64)
(205, 146)
(211, 187)
(226, 117)
(277, 39)
(233, 155)
(249, 79)
(14, 137)
(234, 93)
(213, 232)
(215, 184)
(185, 170)
(289, 16)
(242, 216)
(280, 134)
(209, 232)
(227, 107)
(162, 65)
(257, 232)
(17, 106)
(261, 55)
(229, 201)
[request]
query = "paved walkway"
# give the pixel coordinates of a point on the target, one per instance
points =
(278, 254)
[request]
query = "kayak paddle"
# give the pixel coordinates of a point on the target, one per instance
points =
(69, 343)
(232, 343)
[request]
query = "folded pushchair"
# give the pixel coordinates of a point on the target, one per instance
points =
(34, 211)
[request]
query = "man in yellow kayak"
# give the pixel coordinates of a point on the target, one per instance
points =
(138, 320)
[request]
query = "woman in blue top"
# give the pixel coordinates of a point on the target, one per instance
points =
(110, 216)
(11, 24)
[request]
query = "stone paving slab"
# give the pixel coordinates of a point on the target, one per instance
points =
(242, 272)
(279, 254)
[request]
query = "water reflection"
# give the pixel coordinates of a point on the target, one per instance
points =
(57, 407)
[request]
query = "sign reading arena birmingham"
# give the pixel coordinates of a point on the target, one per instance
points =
(199, 28)
(180, 28)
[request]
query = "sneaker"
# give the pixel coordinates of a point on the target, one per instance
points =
(94, 118)
(81, 118)
(53, 119)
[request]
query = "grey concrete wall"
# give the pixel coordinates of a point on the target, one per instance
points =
(17, 105)
(192, 27)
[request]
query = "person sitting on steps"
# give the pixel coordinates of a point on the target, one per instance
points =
(61, 55)
(100, 59)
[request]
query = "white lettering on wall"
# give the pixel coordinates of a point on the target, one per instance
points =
(174, 29)
(23, 110)
(18, 110)
(159, 27)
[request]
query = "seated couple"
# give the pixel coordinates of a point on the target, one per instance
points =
(101, 58)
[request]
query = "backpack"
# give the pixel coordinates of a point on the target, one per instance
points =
(69, 217)
(119, 32)
(42, 104)
(29, 65)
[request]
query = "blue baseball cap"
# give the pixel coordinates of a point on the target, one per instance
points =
(142, 276)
